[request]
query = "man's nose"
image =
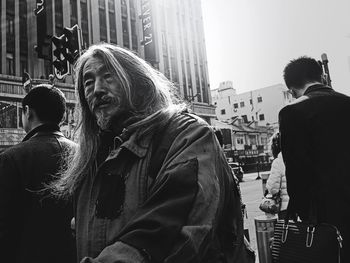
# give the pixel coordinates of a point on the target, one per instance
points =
(100, 86)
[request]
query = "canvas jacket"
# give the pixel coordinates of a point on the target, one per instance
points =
(125, 213)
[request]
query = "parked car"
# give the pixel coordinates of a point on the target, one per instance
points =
(237, 170)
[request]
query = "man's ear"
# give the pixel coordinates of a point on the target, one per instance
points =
(29, 112)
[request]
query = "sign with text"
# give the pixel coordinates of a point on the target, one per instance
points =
(246, 152)
(149, 41)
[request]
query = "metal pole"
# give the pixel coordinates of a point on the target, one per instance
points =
(326, 69)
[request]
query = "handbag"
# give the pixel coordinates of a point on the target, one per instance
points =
(307, 242)
(271, 203)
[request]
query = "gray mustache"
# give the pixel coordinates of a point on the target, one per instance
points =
(100, 101)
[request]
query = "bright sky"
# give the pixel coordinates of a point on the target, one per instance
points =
(251, 41)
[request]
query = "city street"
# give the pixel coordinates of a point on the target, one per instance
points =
(252, 194)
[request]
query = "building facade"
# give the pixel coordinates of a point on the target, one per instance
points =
(246, 143)
(168, 34)
(261, 105)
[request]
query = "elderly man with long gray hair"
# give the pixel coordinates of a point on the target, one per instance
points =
(150, 181)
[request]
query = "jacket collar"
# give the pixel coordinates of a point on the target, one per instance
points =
(44, 128)
(132, 142)
(319, 88)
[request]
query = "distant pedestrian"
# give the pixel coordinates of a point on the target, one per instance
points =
(277, 183)
(315, 131)
(34, 226)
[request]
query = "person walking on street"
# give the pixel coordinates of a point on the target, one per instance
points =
(314, 138)
(34, 226)
(277, 183)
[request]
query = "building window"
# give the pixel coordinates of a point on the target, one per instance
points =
(47, 68)
(59, 13)
(23, 64)
(134, 35)
(241, 104)
(235, 105)
(259, 99)
(10, 65)
(124, 8)
(112, 28)
(10, 25)
(174, 70)
(74, 12)
(125, 32)
(245, 118)
(251, 102)
(9, 114)
(101, 4)
(261, 117)
(252, 139)
(240, 140)
(223, 112)
(84, 23)
(229, 100)
(23, 41)
(103, 24)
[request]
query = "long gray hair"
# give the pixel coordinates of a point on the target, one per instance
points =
(150, 100)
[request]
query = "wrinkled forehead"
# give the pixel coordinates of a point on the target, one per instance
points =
(94, 64)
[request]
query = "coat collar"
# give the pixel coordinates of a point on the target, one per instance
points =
(44, 128)
(132, 142)
(319, 88)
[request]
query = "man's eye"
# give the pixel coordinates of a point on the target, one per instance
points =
(108, 76)
(88, 82)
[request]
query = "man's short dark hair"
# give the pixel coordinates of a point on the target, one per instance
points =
(301, 71)
(48, 102)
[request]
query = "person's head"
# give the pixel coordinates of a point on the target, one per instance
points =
(43, 104)
(275, 144)
(116, 89)
(113, 83)
(300, 72)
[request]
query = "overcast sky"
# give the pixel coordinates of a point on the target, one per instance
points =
(250, 41)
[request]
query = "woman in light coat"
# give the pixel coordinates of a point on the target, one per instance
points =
(277, 179)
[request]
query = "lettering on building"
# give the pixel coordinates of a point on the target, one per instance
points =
(148, 32)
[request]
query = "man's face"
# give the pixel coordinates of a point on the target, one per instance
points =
(102, 92)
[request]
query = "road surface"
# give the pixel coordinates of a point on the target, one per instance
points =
(252, 193)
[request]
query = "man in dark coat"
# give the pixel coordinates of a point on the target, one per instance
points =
(315, 131)
(35, 227)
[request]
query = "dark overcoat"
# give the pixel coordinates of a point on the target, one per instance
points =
(315, 132)
(34, 227)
